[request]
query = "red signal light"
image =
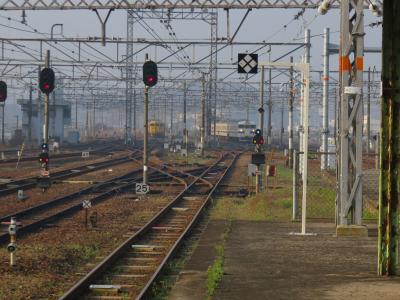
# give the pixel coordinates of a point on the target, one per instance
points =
(150, 79)
(46, 86)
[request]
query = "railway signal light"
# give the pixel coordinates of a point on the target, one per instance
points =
(150, 75)
(46, 80)
(44, 158)
(45, 147)
(3, 91)
(258, 138)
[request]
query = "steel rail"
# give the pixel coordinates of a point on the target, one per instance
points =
(27, 183)
(123, 182)
(176, 245)
(82, 285)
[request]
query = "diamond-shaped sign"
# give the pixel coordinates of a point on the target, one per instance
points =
(261, 110)
(247, 63)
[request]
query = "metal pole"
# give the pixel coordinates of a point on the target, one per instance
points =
(305, 146)
(290, 115)
(369, 110)
(30, 116)
(46, 105)
(295, 208)
(351, 79)
(145, 132)
(388, 230)
(171, 120)
(185, 133)
(282, 128)
(202, 126)
(2, 123)
(261, 109)
(325, 95)
(306, 59)
(269, 129)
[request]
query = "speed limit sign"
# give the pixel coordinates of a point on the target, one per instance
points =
(142, 188)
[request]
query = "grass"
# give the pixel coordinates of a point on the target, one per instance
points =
(271, 205)
(216, 270)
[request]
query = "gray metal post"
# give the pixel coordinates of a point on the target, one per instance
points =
(369, 110)
(350, 125)
(269, 129)
(295, 208)
(2, 123)
(261, 108)
(145, 132)
(290, 115)
(202, 129)
(46, 105)
(306, 59)
(185, 131)
(30, 115)
(325, 96)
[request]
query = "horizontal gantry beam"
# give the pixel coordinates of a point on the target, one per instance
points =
(161, 4)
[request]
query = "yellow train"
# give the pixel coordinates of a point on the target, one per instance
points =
(156, 129)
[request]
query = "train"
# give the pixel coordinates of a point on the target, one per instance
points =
(156, 129)
(242, 131)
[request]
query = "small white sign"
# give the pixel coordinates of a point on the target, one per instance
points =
(142, 189)
(352, 90)
(166, 146)
(85, 154)
(251, 169)
(86, 204)
(178, 147)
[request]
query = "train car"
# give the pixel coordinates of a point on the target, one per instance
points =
(225, 130)
(156, 129)
(245, 131)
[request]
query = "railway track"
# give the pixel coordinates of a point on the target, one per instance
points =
(27, 183)
(38, 216)
(129, 271)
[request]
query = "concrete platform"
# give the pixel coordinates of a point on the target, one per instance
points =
(262, 261)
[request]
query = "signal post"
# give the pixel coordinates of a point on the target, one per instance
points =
(3, 97)
(46, 85)
(150, 78)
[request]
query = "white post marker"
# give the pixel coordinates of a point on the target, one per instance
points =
(142, 188)
(86, 204)
(305, 69)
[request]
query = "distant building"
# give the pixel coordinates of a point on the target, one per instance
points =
(33, 117)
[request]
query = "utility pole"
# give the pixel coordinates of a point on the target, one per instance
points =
(282, 128)
(325, 95)
(30, 116)
(185, 131)
(203, 96)
(46, 105)
(171, 120)
(145, 130)
(302, 129)
(261, 103)
(269, 129)
(290, 114)
(388, 230)
(369, 110)
(2, 123)
(351, 53)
